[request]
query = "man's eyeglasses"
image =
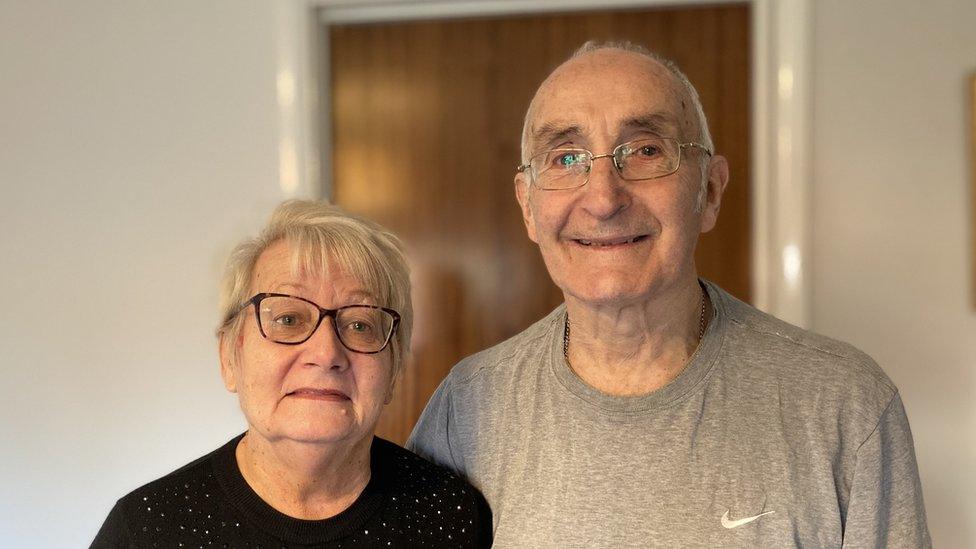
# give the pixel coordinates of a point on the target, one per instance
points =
(292, 320)
(568, 168)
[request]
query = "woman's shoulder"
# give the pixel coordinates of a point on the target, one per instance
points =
(410, 472)
(155, 507)
(431, 499)
(186, 480)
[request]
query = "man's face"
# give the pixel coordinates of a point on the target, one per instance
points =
(613, 241)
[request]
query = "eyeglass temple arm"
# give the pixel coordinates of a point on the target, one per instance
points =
(697, 146)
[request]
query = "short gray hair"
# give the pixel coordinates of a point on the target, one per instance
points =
(318, 233)
(704, 135)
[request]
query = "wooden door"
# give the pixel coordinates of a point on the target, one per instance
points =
(426, 126)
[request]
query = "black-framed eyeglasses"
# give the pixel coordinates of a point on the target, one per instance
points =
(646, 158)
(291, 320)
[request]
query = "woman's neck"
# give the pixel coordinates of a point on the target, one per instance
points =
(304, 480)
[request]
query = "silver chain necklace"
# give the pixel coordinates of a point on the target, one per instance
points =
(701, 328)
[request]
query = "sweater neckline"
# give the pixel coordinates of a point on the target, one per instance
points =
(291, 529)
(693, 373)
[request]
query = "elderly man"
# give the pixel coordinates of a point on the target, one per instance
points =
(652, 408)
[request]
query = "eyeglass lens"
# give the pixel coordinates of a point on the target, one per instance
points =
(360, 328)
(635, 160)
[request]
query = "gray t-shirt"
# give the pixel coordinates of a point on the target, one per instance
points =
(771, 437)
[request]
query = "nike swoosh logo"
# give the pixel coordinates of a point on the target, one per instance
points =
(729, 523)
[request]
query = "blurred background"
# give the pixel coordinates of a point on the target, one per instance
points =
(141, 140)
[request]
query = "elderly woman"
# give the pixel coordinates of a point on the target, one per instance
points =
(316, 322)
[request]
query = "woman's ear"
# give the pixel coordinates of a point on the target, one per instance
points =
(228, 347)
(388, 398)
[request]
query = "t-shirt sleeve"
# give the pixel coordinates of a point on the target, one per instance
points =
(886, 508)
(113, 533)
(431, 437)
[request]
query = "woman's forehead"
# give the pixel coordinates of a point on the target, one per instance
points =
(284, 268)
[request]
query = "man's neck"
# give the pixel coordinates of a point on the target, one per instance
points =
(301, 480)
(636, 348)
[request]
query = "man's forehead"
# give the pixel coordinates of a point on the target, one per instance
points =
(562, 127)
(609, 90)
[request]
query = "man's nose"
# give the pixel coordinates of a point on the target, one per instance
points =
(605, 193)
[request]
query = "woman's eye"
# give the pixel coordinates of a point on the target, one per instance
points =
(648, 150)
(359, 326)
(287, 320)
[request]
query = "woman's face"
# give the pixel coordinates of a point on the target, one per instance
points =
(317, 391)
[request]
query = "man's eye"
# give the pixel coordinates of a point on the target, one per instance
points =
(568, 160)
(648, 150)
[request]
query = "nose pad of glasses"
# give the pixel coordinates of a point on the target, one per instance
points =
(325, 339)
(614, 158)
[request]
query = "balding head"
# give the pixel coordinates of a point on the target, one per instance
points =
(694, 124)
(618, 72)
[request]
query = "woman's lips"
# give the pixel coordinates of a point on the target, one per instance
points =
(319, 394)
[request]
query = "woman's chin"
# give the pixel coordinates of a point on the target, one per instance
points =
(323, 431)
(328, 434)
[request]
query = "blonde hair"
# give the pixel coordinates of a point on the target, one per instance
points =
(320, 235)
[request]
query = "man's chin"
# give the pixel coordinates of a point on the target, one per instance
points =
(607, 295)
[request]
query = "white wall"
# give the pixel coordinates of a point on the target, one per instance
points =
(890, 222)
(138, 142)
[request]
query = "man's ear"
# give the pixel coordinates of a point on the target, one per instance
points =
(718, 178)
(228, 349)
(522, 195)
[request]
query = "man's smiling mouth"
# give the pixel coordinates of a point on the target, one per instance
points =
(609, 242)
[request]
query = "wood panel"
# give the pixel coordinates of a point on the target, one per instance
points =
(426, 124)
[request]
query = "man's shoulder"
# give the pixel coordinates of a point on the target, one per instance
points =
(800, 355)
(506, 359)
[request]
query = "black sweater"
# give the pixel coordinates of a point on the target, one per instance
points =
(408, 502)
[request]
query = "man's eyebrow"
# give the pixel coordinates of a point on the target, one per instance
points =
(656, 123)
(550, 133)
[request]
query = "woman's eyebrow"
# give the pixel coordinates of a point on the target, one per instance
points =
(282, 287)
(360, 295)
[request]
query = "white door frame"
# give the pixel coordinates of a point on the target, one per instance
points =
(781, 84)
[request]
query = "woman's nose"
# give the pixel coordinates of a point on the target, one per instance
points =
(325, 348)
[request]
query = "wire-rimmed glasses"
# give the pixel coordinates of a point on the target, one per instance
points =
(291, 320)
(646, 158)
